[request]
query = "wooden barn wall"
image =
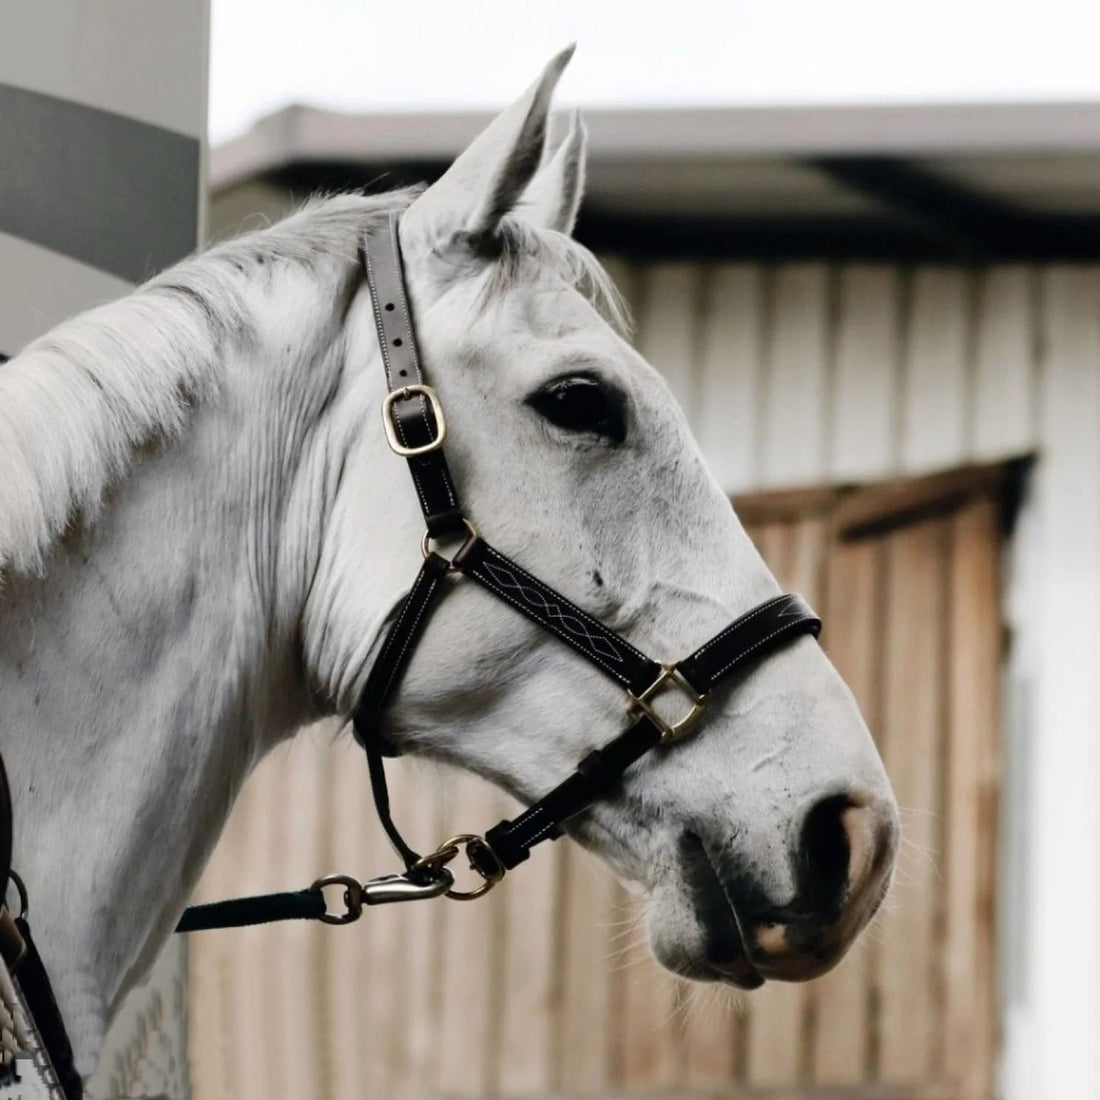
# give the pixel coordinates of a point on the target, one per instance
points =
(793, 375)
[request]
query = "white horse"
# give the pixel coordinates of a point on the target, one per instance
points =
(203, 535)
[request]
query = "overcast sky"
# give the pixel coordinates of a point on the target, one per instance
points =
(366, 55)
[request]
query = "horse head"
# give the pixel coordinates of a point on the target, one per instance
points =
(765, 841)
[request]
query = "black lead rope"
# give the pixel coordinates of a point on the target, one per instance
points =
(416, 429)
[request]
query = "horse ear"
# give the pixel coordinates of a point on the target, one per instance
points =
(553, 197)
(487, 180)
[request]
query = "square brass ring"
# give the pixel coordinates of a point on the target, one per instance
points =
(670, 731)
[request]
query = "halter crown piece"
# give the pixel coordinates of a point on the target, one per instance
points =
(417, 429)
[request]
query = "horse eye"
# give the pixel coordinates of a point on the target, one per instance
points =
(582, 404)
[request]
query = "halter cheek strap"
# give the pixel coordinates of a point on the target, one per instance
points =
(416, 429)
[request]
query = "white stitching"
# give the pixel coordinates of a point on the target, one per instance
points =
(508, 598)
(555, 613)
(519, 571)
(411, 633)
(745, 652)
(735, 626)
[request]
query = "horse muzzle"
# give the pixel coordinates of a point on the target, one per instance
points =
(841, 861)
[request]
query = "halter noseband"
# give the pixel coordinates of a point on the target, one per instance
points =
(417, 429)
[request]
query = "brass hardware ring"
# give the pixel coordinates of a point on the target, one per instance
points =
(471, 534)
(449, 849)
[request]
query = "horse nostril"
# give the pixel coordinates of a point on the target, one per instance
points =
(825, 855)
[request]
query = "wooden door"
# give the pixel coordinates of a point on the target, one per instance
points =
(545, 988)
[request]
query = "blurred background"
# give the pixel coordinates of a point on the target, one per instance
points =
(862, 242)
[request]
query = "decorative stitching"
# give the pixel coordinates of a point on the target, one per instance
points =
(517, 571)
(509, 598)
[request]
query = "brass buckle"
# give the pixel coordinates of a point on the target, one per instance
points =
(404, 394)
(675, 730)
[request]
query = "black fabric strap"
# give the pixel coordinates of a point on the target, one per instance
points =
(613, 654)
(413, 417)
(262, 909)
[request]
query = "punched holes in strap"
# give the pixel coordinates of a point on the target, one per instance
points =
(412, 414)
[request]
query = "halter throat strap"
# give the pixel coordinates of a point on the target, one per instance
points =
(416, 429)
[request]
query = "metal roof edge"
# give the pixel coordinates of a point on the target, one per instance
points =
(297, 133)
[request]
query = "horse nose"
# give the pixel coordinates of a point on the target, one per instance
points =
(844, 855)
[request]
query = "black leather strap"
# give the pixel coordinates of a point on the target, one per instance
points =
(749, 638)
(34, 982)
(595, 776)
(396, 652)
(613, 654)
(757, 632)
(413, 418)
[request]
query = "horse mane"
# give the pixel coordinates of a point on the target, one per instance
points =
(79, 404)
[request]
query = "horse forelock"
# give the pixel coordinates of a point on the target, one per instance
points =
(524, 252)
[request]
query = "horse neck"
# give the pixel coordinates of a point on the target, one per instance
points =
(142, 677)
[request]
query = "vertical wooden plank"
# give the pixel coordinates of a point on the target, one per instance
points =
(343, 972)
(971, 801)
(936, 394)
(422, 961)
(384, 952)
(650, 1046)
(592, 936)
(253, 976)
(530, 982)
(852, 637)
(710, 1037)
(472, 938)
(210, 964)
(667, 328)
(1004, 413)
(291, 950)
(729, 384)
(1064, 1001)
(909, 1022)
(776, 1017)
(796, 385)
(863, 441)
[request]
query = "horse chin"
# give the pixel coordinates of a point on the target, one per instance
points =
(696, 935)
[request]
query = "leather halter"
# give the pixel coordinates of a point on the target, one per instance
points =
(416, 429)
